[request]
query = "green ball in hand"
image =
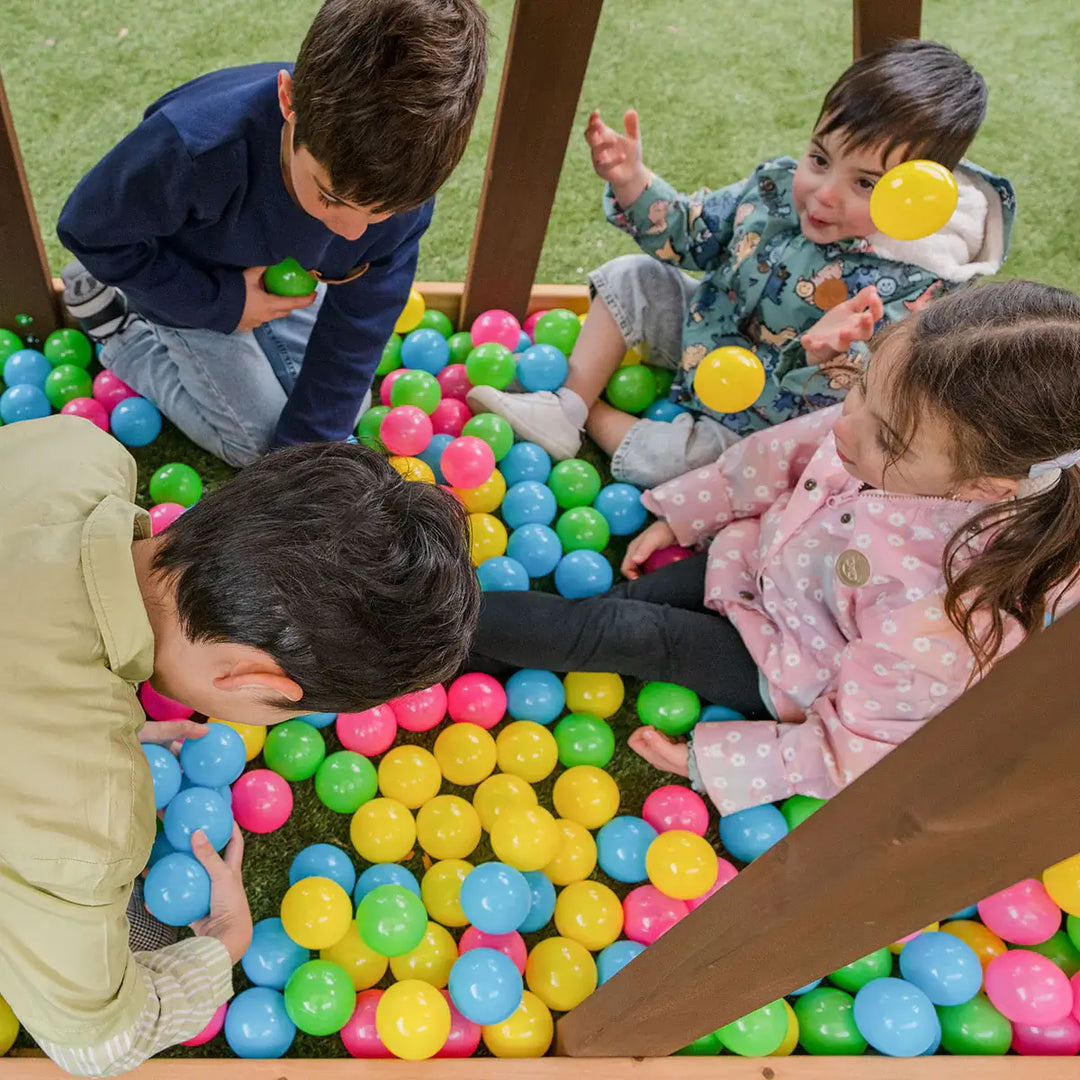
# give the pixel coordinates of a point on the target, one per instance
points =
(288, 278)
(669, 708)
(66, 382)
(632, 388)
(176, 483)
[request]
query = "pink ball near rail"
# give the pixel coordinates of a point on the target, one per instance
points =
(496, 325)
(476, 698)
(406, 430)
(109, 390)
(359, 1035)
(1061, 1039)
(1027, 988)
(454, 382)
(648, 913)
(371, 732)
(530, 323)
(421, 710)
(467, 462)
(88, 409)
(511, 945)
(464, 1037)
(450, 416)
(163, 515)
(665, 555)
(725, 872)
(261, 801)
(217, 1022)
(675, 807)
(159, 707)
(388, 384)
(1022, 914)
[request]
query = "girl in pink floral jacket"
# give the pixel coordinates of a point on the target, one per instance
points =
(864, 563)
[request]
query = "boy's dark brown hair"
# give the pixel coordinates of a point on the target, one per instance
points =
(385, 94)
(917, 94)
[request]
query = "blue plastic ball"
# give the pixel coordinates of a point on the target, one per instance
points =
(165, 772)
(425, 350)
(319, 719)
(621, 507)
(621, 846)
(198, 808)
(215, 759)
(805, 989)
(272, 955)
(749, 833)
(23, 402)
(943, 967)
(525, 461)
(27, 367)
(713, 713)
(964, 913)
(537, 547)
(542, 899)
(496, 898)
(500, 573)
(135, 421)
(614, 958)
(432, 454)
(485, 986)
(161, 848)
(528, 502)
(257, 1025)
(384, 874)
(663, 411)
(524, 341)
(534, 694)
(896, 1018)
(583, 573)
(177, 890)
(324, 860)
(542, 367)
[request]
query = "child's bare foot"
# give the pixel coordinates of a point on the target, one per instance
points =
(660, 751)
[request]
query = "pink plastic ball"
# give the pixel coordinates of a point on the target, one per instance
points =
(476, 698)
(422, 709)
(371, 732)
(529, 326)
(511, 945)
(450, 416)
(464, 1035)
(725, 873)
(1027, 988)
(388, 384)
(648, 913)
(674, 807)
(665, 555)
(496, 325)
(359, 1035)
(1050, 1040)
(1022, 914)
(88, 409)
(467, 462)
(217, 1022)
(109, 390)
(261, 801)
(454, 382)
(159, 707)
(163, 515)
(406, 430)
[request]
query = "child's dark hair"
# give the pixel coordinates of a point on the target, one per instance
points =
(357, 582)
(917, 94)
(1000, 363)
(385, 94)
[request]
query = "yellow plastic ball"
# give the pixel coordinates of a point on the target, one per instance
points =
(316, 913)
(9, 1027)
(897, 947)
(527, 1033)
(636, 354)
(440, 889)
(587, 795)
(412, 468)
(487, 537)
(1062, 882)
(528, 750)
(913, 200)
(430, 961)
(411, 313)
(448, 827)
(409, 774)
(526, 839)
(598, 693)
(383, 830)
(486, 498)
(589, 913)
(413, 1020)
(582, 317)
(982, 939)
(253, 735)
(360, 962)
(576, 858)
(681, 864)
(791, 1039)
(466, 754)
(729, 379)
(561, 973)
(499, 793)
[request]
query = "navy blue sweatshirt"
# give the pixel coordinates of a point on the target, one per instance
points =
(195, 195)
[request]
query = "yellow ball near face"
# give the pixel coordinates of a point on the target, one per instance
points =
(486, 498)
(409, 774)
(500, 793)
(526, 839)
(729, 379)
(412, 468)
(383, 830)
(589, 913)
(360, 962)
(561, 973)
(448, 827)
(913, 200)
(411, 314)
(440, 889)
(253, 736)
(413, 1020)
(316, 913)
(528, 750)
(466, 754)
(587, 795)
(681, 864)
(527, 1033)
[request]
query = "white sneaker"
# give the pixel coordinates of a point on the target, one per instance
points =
(538, 417)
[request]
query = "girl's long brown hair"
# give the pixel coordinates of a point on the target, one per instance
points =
(1001, 364)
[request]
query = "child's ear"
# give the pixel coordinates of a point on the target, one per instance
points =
(284, 93)
(987, 489)
(258, 672)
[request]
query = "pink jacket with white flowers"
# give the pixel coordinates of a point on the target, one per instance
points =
(838, 594)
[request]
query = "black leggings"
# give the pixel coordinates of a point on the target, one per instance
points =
(654, 628)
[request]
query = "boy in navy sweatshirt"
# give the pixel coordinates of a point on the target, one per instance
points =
(334, 163)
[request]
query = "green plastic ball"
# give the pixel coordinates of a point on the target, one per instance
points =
(320, 997)
(584, 740)
(460, 346)
(491, 364)
(854, 976)
(9, 343)
(436, 320)
(1061, 951)
(664, 378)
(669, 708)
(288, 278)
(632, 388)
(418, 388)
(827, 1022)
(574, 483)
(65, 383)
(1072, 928)
(176, 483)
(391, 920)
(758, 1033)
(67, 346)
(798, 808)
(391, 356)
(557, 327)
(707, 1046)
(583, 528)
(345, 781)
(494, 430)
(367, 427)
(975, 1027)
(294, 750)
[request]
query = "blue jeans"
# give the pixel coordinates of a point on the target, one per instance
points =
(225, 392)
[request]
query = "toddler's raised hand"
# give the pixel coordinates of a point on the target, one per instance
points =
(617, 158)
(658, 535)
(838, 328)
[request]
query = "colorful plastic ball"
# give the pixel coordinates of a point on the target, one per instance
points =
(345, 781)
(449, 418)
(542, 367)
(159, 707)
(827, 1025)
(465, 754)
(453, 380)
(663, 411)
(729, 379)
(294, 750)
(574, 483)
(370, 732)
(447, 827)
(176, 483)
(440, 890)
(496, 898)
(536, 547)
(620, 505)
(324, 860)
(669, 708)
(262, 801)
(975, 1027)
(257, 1024)
(526, 461)
(615, 957)
(896, 1018)
(319, 997)
(359, 1035)
(391, 920)
(289, 278)
(485, 986)
(272, 955)
(436, 320)
(632, 389)
(196, 808)
(523, 342)
(486, 498)
(499, 793)
(708, 1045)
(412, 469)
(211, 1031)
(1022, 914)
(622, 845)
(758, 1033)
(854, 976)
(583, 573)
(110, 390)
(383, 830)
(526, 749)
(500, 573)
(496, 325)
(468, 462)
(1062, 884)
(9, 343)
(476, 698)
(88, 409)
(750, 833)
(576, 857)
(914, 199)
(316, 912)
(384, 874)
(598, 693)
(494, 430)
(65, 383)
(526, 1034)
(561, 973)
(135, 421)
(162, 515)
(23, 402)
(534, 694)
(413, 1020)
(390, 360)
(528, 502)
(586, 795)
(68, 346)
(584, 740)
(27, 367)
(464, 1037)
(542, 902)
(797, 808)
(529, 325)
(432, 455)
(1028, 988)
(665, 556)
(164, 772)
(558, 327)
(176, 890)
(409, 774)
(491, 364)
(526, 838)
(415, 390)
(367, 427)
(411, 313)
(725, 872)
(943, 967)
(681, 864)
(217, 758)
(583, 528)
(425, 350)
(405, 430)
(648, 913)
(1061, 951)
(420, 710)
(431, 960)
(984, 941)
(364, 966)
(511, 945)
(1061, 1039)
(589, 913)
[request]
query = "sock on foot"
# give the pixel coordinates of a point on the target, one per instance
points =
(577, 412)
(100, 310)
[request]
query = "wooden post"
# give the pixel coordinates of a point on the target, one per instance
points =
(546, 58)
(877, 22)
(25, 284)
(984, 795)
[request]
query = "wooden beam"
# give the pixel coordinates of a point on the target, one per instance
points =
(546, 58)
(982, 796)
(25, 280)
(877, 22)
